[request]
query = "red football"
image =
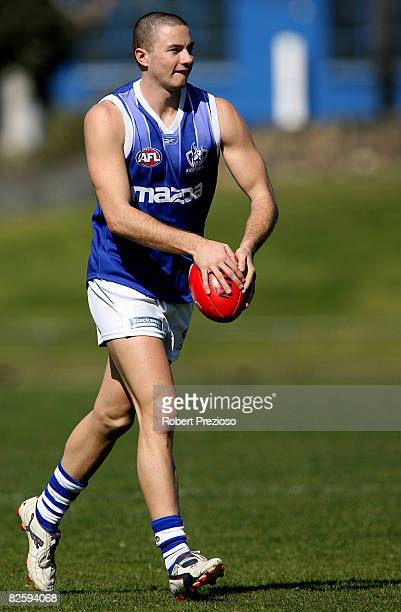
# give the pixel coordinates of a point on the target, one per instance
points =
(218, 305)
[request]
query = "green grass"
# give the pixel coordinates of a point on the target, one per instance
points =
(326, 308)
(303, 521)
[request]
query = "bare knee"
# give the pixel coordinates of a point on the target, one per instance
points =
(152, 438)
(114, 417)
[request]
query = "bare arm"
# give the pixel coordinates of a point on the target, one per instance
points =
(104, 141)
(249, 171)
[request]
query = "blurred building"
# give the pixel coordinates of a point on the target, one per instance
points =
(281, 61)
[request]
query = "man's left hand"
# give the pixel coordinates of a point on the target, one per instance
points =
(246, 265)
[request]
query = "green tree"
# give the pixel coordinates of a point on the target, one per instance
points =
(35, 36)
(384, 18)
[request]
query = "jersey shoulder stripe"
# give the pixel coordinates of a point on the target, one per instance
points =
(129, 123)
(197, 94)
(214, 120)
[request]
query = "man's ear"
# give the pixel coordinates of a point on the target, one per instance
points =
(141, 56)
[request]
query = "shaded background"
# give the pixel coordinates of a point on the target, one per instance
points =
(327, 304)
(326, 310)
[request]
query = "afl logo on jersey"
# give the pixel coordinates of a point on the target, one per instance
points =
(148, 157)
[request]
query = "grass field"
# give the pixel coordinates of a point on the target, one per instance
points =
(302, 520)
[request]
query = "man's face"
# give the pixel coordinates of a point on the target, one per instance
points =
(170, 58)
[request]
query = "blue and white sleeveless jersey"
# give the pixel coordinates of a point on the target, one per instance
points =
(172, 174)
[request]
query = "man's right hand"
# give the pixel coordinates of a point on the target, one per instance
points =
(219, 259)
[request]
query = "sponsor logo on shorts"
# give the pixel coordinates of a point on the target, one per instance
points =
(163, 195)
(148, 157)
(145, 322)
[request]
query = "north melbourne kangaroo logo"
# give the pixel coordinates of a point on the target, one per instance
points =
(196, 157)
(36, 539)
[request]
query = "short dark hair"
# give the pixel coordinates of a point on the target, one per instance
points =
(146, 28)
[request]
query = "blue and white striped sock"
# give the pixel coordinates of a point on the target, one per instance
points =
(55, 500)
(170, 538)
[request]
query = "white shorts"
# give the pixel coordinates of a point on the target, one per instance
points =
(122, 312)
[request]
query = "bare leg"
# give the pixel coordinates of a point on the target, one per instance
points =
(94, 437)
(142, 363)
